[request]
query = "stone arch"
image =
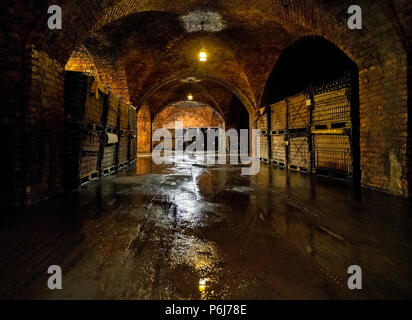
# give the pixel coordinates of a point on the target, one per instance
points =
(236, 91)
(313, 61)
(200, 116)
(216, 110)
(310, 60)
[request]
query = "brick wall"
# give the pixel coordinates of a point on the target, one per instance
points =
(144, 130)
(43, 133)
(32, 135)
(409, 146)
(383, 131)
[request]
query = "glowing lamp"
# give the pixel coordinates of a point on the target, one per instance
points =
(203, 285)
(190, 97)
(203, 55)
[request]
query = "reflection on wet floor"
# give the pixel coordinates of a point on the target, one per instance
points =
(188, 230)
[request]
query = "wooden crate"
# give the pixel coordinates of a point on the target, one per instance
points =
(91, 142)
(123, 149)
(82, 151)
(298, 111)
(278, 149)
(262, 123)
(278, 116)
(264, 148)
(124, 117)
(95, 104)
(84, 99)
(299, 153)
(109, 157)
(332, 152)
(88, 166)
(112, 111)
(332, 110)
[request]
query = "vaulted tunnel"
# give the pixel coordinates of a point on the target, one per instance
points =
(81, 107)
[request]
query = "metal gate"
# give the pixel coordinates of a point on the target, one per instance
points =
(299, 153)
(298, 113)
(279, 150)
(332, 105)
(331, 128)
(333, 152)
(279, 118)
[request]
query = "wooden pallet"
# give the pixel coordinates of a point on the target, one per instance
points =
(124, 132)
(85, 125)
(111, 130)
(89, 177)
(331, 126)
(123, 165)
(278, 132)
(298, 130)
(280, 164)
(109, 170)
(94, 127)
(298, 169)
(330, 131)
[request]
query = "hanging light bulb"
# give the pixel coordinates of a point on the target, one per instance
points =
(190, 97)
(203, 55)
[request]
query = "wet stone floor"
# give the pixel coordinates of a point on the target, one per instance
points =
(188, 230)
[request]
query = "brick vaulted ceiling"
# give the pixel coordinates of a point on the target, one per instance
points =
(149, 48)
(157, 54)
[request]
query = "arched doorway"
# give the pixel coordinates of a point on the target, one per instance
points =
(324, 75)
(188, 115)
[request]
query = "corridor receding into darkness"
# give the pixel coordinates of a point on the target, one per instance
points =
(111, 115)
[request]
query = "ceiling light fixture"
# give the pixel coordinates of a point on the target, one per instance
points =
(203, 56)
(190, 97)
